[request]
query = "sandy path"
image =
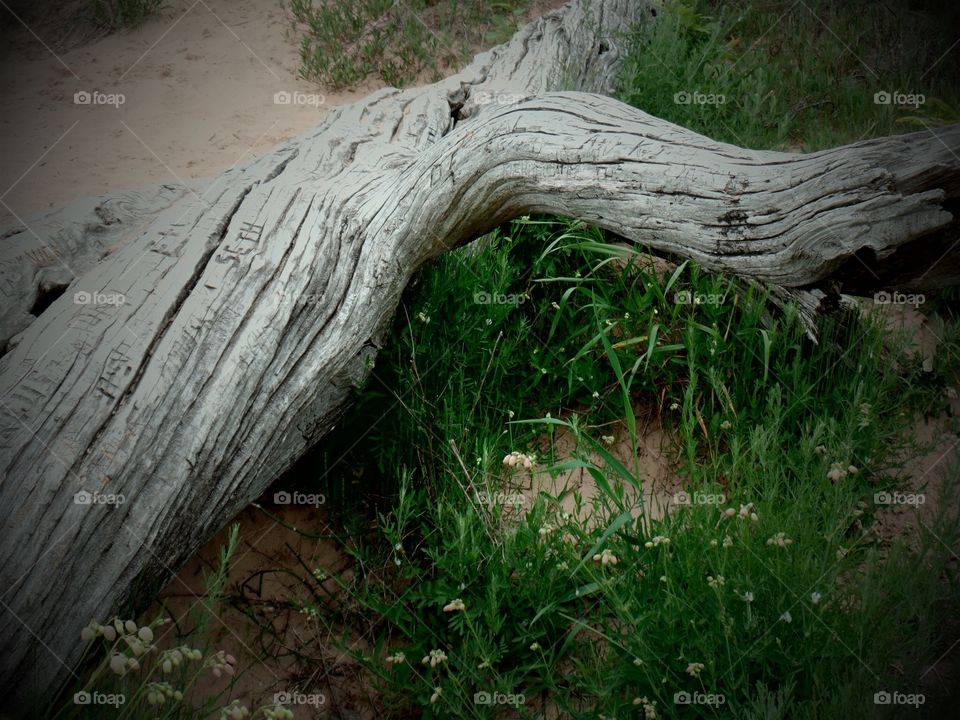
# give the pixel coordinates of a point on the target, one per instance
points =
(198, 85)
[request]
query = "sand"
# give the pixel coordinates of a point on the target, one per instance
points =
(184, 97)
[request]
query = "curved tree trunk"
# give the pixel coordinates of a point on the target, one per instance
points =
(225, 339)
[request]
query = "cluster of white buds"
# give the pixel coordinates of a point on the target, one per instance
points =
(694, 669)
(95, 630)
(606, 557)
(649, 707)
(454, 606)
(277, 712)
(434, 658)
(136, 637)
(519, 459)
(234, 711)
(715, 582)
(657, 540)
(837, 472)
(780, 540)
(138, 641)
(745, 512)
(397, 658)
(173, 658)
(159, 692)
(120, 664)
(221, 662)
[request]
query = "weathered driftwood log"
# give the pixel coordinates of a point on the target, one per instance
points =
(220, 344)
(275, 285)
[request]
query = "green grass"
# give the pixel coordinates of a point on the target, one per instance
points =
(752, 405)
(342, 44)
(122, 14)
(797, 74)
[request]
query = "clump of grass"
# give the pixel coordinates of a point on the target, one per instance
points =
(775, 592)
(786, 75)
(122, 14)
(342, 44)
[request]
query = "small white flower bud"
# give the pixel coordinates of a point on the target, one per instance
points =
(118, 664)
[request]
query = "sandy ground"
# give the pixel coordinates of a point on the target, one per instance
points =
(191, 93)
(283, 653)
(197, 85)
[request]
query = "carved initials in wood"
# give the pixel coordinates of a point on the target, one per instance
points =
(29, 393)
(118, 364)
(247, 240)
(90, 316)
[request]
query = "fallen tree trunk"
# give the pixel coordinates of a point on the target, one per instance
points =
(209, 353)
